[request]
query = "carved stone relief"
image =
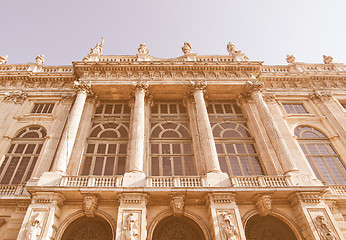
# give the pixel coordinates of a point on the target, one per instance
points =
(15, 96)
(263, 204)
(131, 228)
(187, 49)
(3, 59)
(40, 59)
(2, 222)
(228, 225)
(177, 204)
(323, 228)
(90, 204)
(143, 49)
(290, 58)
(235, 53)
(327, 59)
(34, 227)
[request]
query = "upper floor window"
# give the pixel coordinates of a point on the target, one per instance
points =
(321, 155)
(224, 110)
(171, 151)
(43, 108)
(234, 144)
(113, 109)
(21, 157)
(106, 149)
(294, 108)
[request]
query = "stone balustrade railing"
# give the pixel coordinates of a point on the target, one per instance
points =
(175, 182)
(91, 181)
(260, 181)
(338, 189)
(11, 189)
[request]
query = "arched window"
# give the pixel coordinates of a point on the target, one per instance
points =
(21, 157)
(321, 155)
(170, 141)
(106, 149)
(234, 143)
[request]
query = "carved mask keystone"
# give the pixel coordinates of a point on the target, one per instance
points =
(177, 204)
(263, 204)
(90, 205)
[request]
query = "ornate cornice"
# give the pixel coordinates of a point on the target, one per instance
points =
(15, 96)
(321, 96)
(48, 197)
(221, 198)
(307, 197)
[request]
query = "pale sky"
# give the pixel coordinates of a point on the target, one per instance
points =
(266, 30)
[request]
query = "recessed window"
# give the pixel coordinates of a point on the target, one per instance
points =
(294, 108)
(42, 108)
(224, 110)
(323, 158)
(109, 109)
(22, 155)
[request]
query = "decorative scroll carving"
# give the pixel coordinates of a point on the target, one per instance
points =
(15, 96)
(323, 228)
(3, 59)
(2, 222)
(263, 204)
(228, 226)
(143, 49)
(82, 86)
(90, 204)
(269, 97)
(235, 53)
(327, 59)
(130, 227)
(196, 86)
(95, 52)
(187, 49)
(290, 59)
(321, 96)
(40, 59)
(140, 86)
(34, 227)
(177, 204)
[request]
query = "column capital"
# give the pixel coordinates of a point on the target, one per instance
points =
(197, 86)
(321, 96)
(82, 87)
(253, 86)
(140, 86)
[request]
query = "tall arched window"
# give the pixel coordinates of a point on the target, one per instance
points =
(170, 141)
(106, 149)
(321, 155)
(21, 157)
(234, 144)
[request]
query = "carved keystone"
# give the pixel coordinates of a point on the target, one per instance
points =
(177, 204)
(90, 204)
(263, 204)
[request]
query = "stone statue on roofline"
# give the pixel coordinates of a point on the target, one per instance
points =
(40, 59)
(327, 59)
(290, 58)
(3, 59)
(95, 52)
(187, 49)
(143, 49)
(235, 53)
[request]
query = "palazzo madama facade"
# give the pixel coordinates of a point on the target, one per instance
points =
(194, 147)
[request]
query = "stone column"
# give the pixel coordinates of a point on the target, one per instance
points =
(132, 217)
(272, 130)
(70, 131)
(214, 175)
(135, 175)
(41, 219)
(314, 217)
(68, 138)
(225, 217)
(332, 111)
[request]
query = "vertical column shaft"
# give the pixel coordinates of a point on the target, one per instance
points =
(70, 131)
(204, 128)
(274, 134)
(136, 155)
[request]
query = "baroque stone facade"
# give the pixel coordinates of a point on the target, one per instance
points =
(194, 147)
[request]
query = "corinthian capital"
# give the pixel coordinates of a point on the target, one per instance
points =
(82, 86)
(140, 86)
(197, 86)
(320, 96)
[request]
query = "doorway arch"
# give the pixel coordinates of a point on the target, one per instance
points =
(177, 228)
(269, 228)
(86, 228)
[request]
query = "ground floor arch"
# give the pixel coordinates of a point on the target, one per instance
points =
(177, 228)
(88, 228)
(269, 228)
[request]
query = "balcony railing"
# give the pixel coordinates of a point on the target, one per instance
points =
(91, 181)
(338, 189)
(175, 182)
(11, 189)
(260, 181)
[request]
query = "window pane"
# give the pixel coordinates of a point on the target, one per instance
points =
(98, 166)
(87, 165)
(178, 166)
(121, 166)
(167, 166)
(223, 165)
(235, 166)
(21, 170)
(10, 170)
(190, 169)
(109, 166)
(155, 166)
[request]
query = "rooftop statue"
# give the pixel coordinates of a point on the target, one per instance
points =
(3, 59)
(143, 49)
(290, 58)
(235, 53)
(40, 59)
(187, 49)
(327, 59)
(95, 52)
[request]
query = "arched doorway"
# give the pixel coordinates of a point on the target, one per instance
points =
(86, 228)
(268, 228)
(177, 228)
